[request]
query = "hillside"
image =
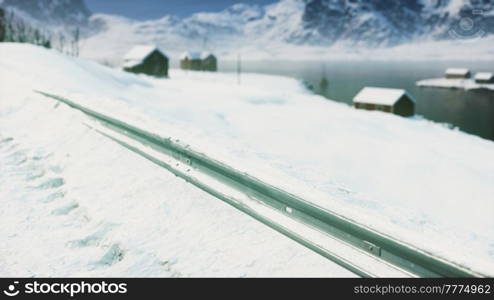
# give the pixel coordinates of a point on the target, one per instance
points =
(91, 208)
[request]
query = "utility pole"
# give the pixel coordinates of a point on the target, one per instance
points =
(239, 68)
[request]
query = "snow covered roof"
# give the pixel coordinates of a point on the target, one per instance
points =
(457, 71)
(139, 52)
(381, 96)
(131, 63)
(205, 55)
(484, 76)
(195, 55)
(191, 55)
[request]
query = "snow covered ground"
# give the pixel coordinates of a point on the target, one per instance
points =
(75, 203)
(466, 84)
(411, 178)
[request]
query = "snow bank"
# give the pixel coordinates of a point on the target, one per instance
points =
(413, 179)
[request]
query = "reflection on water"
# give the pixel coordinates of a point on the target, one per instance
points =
(471, 111)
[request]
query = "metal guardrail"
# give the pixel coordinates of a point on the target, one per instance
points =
(362, 250)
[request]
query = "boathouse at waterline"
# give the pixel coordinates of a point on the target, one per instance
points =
(457, 73)
(146, 59)
(484, 78)
(395, 101)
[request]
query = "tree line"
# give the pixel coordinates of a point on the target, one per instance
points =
(17, 30)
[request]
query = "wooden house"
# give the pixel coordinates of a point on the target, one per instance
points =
(209, 62)
(484, 78)
(191, 61)
(146, 60)
(458, 73)
(394, 101)
(198, 61)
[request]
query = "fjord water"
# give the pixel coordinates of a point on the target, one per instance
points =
(470, 111)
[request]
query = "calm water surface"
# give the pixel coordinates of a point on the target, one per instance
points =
(470, 111)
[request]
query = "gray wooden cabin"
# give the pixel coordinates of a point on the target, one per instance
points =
(146, 60)
(196, 61)
(209, 62)
(394, 101)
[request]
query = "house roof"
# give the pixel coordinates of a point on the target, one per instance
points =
(484, 76)
(195, 55)
(380, 96)
(457, 71)
(205, 55)
(138, 53)
(191, 55)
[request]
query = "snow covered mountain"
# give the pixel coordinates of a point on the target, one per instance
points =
(238, 26)
(52, 12)
(306, 22)
(286, 24)
(391, 22)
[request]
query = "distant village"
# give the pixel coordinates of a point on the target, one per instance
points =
(400, 102)
(462, 79)
(151, 61)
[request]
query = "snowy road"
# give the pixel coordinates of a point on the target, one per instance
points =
(410, 178)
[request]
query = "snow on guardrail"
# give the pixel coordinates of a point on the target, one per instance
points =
(352, 245)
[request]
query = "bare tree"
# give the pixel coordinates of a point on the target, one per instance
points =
(16, 29)
(9, 29)
(75, 42)
(37, 37)
(61, 42)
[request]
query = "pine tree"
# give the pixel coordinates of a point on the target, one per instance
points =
(2, 25)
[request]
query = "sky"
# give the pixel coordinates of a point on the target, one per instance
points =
(152, 9)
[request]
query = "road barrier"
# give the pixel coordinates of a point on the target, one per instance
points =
(356, 247)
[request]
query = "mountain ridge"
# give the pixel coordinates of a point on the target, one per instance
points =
(51, 12)
(286, 23)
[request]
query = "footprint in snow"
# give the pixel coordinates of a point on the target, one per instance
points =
(65, 210)
(112, 256)
(51, 183)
